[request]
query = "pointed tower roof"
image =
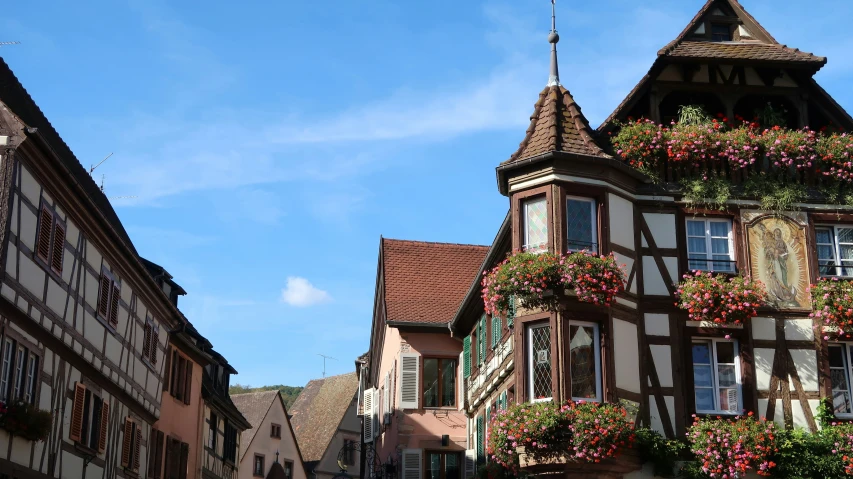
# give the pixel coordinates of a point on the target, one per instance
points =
(557, 123)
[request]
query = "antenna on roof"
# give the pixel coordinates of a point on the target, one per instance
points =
(9, 43)
(553, 38)
(324, 362)
(99, 164)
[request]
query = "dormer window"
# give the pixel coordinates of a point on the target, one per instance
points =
(721, 32)
(535, 225)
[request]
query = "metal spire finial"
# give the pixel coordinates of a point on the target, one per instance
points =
(553, 38)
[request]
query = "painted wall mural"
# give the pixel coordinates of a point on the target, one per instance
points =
(779, 259)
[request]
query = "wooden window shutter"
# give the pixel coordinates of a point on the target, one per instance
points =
(158, 451)
(466, 357)
(367, 401)
(412, 463)
(152, 454)
(481, 447)
(58, 248)
(105, 423)
(481, 340)
(185, 454)
(166, 370)
(116, 294)
(180, 381)
(496, 331)
(146, 341)
(167, 473)
(510, 313)
(188, 382)
(155, 342)
(137, 447)
(126, 443)
(409, 374)
(45, 226)
(104, 297)
(174, 470)
(470, 462)
(76, 429)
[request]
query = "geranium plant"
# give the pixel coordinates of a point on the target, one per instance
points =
(582, 432)
(836, 154)
(25, 420)
(832, 304)
(595, 278)
(729, 448)
(720, 299)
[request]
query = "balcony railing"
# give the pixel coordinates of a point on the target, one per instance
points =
(476, 382)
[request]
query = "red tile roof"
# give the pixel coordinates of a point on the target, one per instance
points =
(557, 124)
(754, 51)
(425, 282)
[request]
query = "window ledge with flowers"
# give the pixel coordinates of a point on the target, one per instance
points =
(541, 280)
(21, 419)
(721, 301)
(832, 306)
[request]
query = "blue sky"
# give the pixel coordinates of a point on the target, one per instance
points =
(270, 144)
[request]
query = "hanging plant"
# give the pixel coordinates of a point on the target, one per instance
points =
(643, 145)
(836, 156)
(832, 304)
(774, 194)
(720, 299)
(729, 448)
(713, 192)
(595, 278)
(25, 420)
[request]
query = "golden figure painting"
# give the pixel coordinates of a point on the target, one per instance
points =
(777, 250)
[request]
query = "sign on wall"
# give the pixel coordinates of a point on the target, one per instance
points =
(778, 258)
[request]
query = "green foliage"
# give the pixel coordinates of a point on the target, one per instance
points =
(493, 470)
(661, 452)
(711, 192)
(288, 393)
(774, 194)
(25, 420)
(771, 116)
(825, 414)
(693, 115)
(802, 455)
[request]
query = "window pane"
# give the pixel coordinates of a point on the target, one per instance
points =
(697, 245)
(451, 466)
(696, 228)
(839, 378)
(582, 361)
(433, 465)
(431, 382)
(720, 246)
(719, 228)
(836, 357)
(448, 382)
(726, 352)
(536, 225)
(845, 251)
(729, 400)
(845, 235)
(727, 376)
(825, 252)
(580, 225)
(823, 235)
(701, 353)
(6, 373)
(702, 376)
(540, 361)
(704, 399)
(841, 402)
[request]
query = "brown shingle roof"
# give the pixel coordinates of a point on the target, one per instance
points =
(557, 124)
(319, 410)
(425, 282)
(254, 407)
(754, 51)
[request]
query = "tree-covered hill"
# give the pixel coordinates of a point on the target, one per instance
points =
(288, 393)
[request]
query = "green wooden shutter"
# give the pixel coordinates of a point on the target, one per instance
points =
(502, 401)
(482, 339)
(510, 313)
(481, 447)
(466, 357)
(496, 331)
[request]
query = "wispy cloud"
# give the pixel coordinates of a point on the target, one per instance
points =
(301, 293)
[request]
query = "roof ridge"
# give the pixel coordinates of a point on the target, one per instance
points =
(437, 243)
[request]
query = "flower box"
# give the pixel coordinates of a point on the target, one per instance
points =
(628, 461)
(26, 421)
(711, 324)
(718, 299)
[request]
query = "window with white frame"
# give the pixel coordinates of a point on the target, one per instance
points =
(585, 361)
(581, 224)
(834, 250)
(539, 362)
(710, 246)
(19, 372)
(839, 373)
(535, 225)
(716, 376)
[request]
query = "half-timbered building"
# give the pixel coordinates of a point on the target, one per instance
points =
(223, 422)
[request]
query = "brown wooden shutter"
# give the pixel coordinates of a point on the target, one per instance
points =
(76, 430)
(174, 471)
(126, 443)
(167, 473)
(155, 336)
(189, 382)
(158, 462)
(152, 453)
(137, 447)
(58, 248)
(45, 225)
(105, 423)
(104, 297)
(166, 371)
(116, 294)
(146, 341)
(185, 454)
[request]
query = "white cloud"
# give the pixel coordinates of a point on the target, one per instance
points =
(301, 293)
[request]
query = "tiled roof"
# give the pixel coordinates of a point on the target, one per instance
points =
(425, 282)
(557, 124)
(755, 51)
(254, 407)
(318, 412)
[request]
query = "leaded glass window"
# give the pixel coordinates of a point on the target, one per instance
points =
(839, 372)
(716, 376)
(835, 250)
(709, 245)
(584, 361)
(539, 362)
(581, 225)
(535, 225)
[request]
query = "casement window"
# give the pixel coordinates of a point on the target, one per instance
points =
(258, 466)
(19, 371)
(288, 469)
(131, 442)
(839, 372)
(229, 451)
(535, 225)
(89, 419)
(211, 431)
(109, 294)
(443, 465)
(835, 250)
(539, 362)
(710, 246)
(349, 452)
(177, 456)
(156, 444)
(581, 224)
(50, 247)
(275, 431)
(439, 382)
(585, 361)
(179, 376)
(150, 342)
(716, 376)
